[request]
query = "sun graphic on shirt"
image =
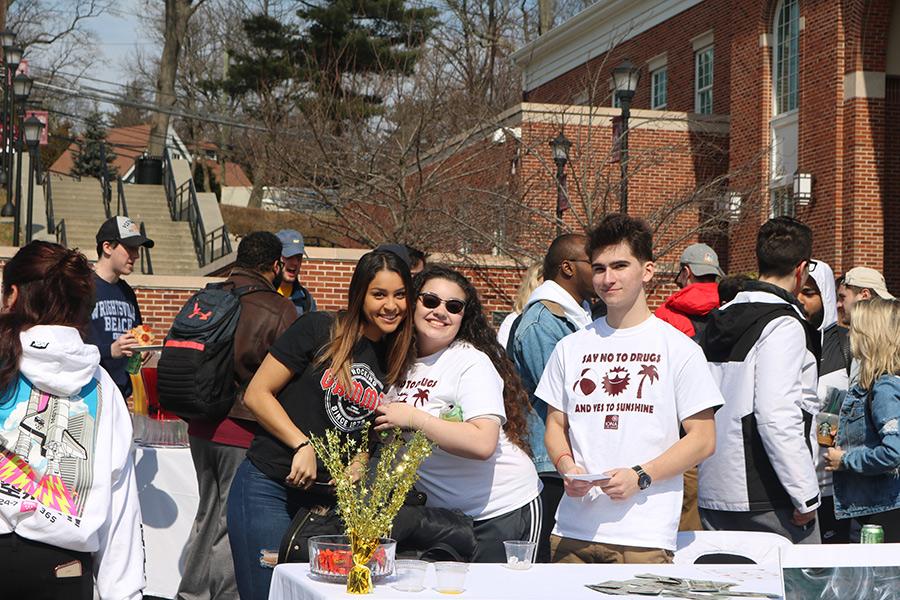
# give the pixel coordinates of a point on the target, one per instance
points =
(615, 382)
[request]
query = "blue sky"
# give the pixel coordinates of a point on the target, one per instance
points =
(119, 33)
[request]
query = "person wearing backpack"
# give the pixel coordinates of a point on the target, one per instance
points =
(327, 372)
(219, 446)
(556, 308)
(688, 311)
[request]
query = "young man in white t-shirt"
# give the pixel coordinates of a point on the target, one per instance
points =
(617, 392)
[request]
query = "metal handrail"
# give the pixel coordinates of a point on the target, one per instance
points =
(121, 206)
(169, 183)
(146, 261)
(106, 191)
(48, 204)
(184, 206)
(61, 238)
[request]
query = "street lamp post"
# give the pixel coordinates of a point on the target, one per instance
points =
(32, 130)
(12, 56)
(625, 82)
(21, 90)
(560, 147)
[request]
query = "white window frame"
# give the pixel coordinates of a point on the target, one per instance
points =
(662, 73)
(784, 102)
(700, 91)
(787, 197)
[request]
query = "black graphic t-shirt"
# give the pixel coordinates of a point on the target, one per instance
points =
(313, 398)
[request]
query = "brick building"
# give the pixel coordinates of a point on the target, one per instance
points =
(808, 88)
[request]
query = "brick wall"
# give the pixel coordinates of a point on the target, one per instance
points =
(672, 37)
(849, 146)
(327, 274)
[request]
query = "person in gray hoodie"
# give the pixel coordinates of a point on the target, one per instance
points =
(819, 299)
(69, 513)
(558, 307)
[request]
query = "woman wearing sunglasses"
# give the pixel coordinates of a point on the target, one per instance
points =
(465, 395)
(324, 373)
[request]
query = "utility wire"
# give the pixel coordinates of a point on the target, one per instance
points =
(120, 101)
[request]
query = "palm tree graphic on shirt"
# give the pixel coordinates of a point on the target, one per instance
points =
(421, 397)
(647, 372)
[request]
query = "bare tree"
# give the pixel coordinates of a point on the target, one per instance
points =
(177, 15)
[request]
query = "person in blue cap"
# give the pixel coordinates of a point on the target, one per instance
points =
(288, 282)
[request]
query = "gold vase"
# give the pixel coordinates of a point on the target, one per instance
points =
(359, 579)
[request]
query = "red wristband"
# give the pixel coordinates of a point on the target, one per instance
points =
(560, 457)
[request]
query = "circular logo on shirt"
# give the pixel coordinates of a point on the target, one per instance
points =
(348, 409)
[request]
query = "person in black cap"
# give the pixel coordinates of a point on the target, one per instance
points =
(414, 259)
(116, 309)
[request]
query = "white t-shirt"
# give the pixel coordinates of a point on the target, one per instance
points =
(625, 393)
(506, 327)
(460, 383)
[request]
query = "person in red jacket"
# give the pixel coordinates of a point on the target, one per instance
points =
(687, 310)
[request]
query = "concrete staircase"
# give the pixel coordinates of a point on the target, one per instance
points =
(80, 203)
(174, 252)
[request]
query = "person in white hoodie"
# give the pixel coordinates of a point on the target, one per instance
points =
(763, 355)
(558, 307)
(69, 512)
(819, 299)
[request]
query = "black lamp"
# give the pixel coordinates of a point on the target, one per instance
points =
(560, 147)
(32, 129)
(625, 81)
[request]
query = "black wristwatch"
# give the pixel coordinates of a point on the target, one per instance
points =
(644, 480)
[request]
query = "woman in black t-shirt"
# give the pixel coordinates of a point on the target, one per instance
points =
(324, 373)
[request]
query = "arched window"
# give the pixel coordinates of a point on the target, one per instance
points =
(786, 55)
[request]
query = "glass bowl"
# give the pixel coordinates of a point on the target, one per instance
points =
(330, 558)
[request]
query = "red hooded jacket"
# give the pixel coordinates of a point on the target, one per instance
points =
(695, 300)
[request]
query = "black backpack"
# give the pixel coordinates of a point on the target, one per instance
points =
(195, 375)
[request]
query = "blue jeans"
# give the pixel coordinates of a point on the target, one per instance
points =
(259, 513)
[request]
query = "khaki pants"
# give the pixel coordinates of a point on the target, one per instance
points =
(690, 514)
(567, 550)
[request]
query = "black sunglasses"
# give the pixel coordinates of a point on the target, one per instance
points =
(431, 301)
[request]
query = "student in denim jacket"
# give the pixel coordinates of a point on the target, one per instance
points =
(866, 457)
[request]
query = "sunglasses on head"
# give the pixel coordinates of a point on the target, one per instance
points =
(431, 301)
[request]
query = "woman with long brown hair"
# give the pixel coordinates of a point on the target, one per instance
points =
(324, 373)
(463, 392)
(69, 513)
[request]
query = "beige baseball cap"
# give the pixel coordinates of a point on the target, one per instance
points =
(864, 277)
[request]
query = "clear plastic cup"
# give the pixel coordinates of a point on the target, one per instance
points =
(410, 575)
(519, 554)
(451, 577)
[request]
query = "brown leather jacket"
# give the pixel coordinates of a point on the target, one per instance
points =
(265, 315)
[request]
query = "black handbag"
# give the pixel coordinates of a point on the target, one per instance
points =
(421, 531)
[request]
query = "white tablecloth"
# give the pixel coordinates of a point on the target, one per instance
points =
(167, 488)
(496, 582)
